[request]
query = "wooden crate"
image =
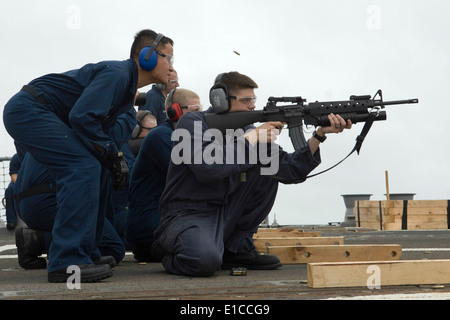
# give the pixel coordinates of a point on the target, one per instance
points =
(402, 214)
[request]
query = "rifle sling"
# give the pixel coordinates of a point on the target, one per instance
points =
(359, 141)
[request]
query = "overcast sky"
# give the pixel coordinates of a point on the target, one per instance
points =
(320, 50)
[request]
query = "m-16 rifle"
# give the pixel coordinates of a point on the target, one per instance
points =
(298, 113)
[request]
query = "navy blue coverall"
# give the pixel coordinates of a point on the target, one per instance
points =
(11, 214)
(154, 102)
(38, 208)
(120, 199)
(206, 207)
(65, 127)
(147, 182)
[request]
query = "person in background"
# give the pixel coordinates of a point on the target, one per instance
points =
(148, 176)
(155, 98)
(63, 121)
(10, 210)
(146, 121)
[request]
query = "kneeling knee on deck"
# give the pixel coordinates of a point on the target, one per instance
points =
(204, 263)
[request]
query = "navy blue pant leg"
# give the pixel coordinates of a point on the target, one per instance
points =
(247, 208)
(111, 244)
(196, 238)
(38, 212)
(194, 241)
(51, 142)
(11, 215)
(140, 225)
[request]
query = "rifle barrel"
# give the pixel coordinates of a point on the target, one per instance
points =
(388, 103)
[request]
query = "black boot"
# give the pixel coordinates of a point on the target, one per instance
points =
(11, 225)
(251, 260)
(106, 260)
(142, 253)
(30, 245)
(88, 273)
(157, 251)
(149, 253)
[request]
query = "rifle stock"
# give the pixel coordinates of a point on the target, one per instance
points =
(233, 120)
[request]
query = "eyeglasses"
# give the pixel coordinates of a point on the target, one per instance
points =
(193, 106)
(169, 57)
(245, 100)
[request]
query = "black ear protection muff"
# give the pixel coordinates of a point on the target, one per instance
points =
(173, 110)
(148, 58)
(138, 129)
(218, 96)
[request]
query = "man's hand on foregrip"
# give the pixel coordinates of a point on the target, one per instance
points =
(119, 169)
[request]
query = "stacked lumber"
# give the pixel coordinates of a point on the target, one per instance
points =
(297, 247)
(333, 264)
(402, 214)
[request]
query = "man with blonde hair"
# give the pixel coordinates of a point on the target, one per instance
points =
(155, 98)
(148, 176)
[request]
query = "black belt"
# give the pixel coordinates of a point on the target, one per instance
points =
(47, 188)
(36, 94)
(188, 204)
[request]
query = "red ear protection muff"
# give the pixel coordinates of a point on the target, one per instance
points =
(173, 110)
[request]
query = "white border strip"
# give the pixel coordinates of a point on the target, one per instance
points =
(7, 247)
(425, 249)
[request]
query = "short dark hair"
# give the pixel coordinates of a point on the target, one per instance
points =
(145, 38)
(236, 81)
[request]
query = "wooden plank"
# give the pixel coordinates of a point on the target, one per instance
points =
(422, 211)
(388, 273)
(375, 204)
(283, 232)
(411, 203)
(375, 212)
(390, 226)
(399, 203)
(291, 234)
(261, 244)
(418, 219)
(333, 253)
(277, 230)
(427, 203)
(427, 225)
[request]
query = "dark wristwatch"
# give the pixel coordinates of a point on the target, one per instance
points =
(321, 139)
